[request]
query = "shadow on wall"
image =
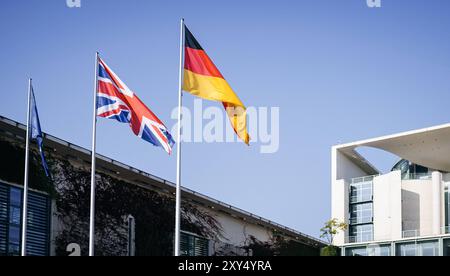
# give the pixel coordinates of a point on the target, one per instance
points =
(410, 214)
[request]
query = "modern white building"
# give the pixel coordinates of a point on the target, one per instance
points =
(400, 213)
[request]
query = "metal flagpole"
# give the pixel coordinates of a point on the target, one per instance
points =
(25, 182)
(178, 191)
(94, 133)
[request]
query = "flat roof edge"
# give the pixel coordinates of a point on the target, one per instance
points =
(390, 136)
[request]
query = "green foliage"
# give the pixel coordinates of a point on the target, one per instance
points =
(330, 251)
(280, 246)
(12, 165)
(331, 229)
(115, 200)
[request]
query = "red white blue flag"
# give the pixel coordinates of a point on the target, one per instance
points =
(116, 101)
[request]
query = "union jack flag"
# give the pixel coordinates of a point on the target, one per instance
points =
(116, 101)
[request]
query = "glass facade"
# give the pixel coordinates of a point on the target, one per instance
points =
(11, 219)
(15, 216)
(371, 250)
(361, 213)
(361, 210)
(447, 247)
(427, 248)
(447, 209)
(411, 171)
(361, 233)
(361, 191)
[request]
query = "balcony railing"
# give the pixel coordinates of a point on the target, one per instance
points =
(354, 221)
(416, 176)
(363, 179)
(446, 230)
(411, 234)
(361, 198)
(358, 239)
(416, 233)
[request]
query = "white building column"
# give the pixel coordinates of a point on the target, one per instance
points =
(340, 208)
(437, 204)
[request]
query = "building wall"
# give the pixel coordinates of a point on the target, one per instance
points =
(238, 232)
(417, 209)
(344, 168)
(387, 206)
(340, 207)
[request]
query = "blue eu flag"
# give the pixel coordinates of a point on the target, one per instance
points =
(36, 132)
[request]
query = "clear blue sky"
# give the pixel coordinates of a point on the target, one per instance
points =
(338, 70)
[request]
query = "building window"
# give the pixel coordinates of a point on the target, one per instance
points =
(361, 233)
(15, 216)
(131, 236)
(447, 210)
(371, 250)
(361, 209)
(447, 247)
(361, 192)
(11, 222)
(192, 245)
(361, 213)
(429, 248)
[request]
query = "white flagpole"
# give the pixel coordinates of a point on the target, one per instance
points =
(25, 181)
(178, 191)
(94, 133)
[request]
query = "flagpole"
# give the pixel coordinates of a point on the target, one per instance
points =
(178, 189)
(25, 181)
(94, 134)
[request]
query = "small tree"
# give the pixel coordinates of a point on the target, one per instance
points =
(329, 231)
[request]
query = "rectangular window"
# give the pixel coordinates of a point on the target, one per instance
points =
(361, 192)
(131, 236)
(38, 229)
(429, 248)
(4, 218)
(372, 250)
(361, 233)
(447, 210)
(191, 245)
(447, 247)
(361, 213)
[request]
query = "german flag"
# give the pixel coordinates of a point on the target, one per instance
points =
(204, 80)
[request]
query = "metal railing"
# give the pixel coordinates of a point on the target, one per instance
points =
(360, 198)
(416, 233)
(362, 179)
(410, 234)
(416, 176)
(360, 220)
(359, 239)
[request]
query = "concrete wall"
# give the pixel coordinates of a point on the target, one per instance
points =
(237, 231)
(340, 207)
(387, 206)
(344, 168)
(417, 209)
